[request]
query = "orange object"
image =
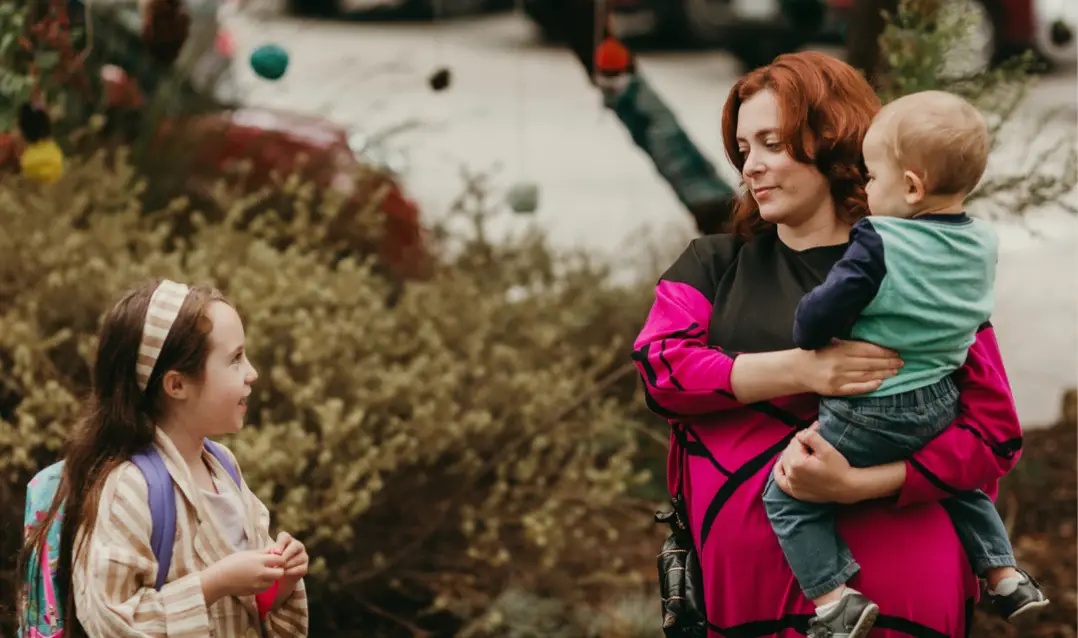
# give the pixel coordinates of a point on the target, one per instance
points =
(225, 43)
(612, 57)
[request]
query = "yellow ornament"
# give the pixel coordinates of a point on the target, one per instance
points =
(42, 161)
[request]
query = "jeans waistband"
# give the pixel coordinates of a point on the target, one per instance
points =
(943, 390)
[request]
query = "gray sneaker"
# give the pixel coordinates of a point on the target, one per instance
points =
(1021, 602)
(852, 617)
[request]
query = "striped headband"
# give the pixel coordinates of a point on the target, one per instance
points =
(164, 307)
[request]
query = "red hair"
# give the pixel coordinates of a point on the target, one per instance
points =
(826, 108)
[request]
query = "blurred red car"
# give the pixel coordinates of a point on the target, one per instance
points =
(273, 142)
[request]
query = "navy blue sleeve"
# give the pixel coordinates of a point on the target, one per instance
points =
(830, 309)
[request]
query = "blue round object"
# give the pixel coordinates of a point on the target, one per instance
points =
(269, 61)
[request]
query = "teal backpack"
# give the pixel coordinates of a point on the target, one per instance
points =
(43, 615)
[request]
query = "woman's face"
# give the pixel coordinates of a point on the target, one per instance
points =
(786, 191)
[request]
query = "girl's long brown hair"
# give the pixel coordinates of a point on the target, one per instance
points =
(117, 423)
(826, 108)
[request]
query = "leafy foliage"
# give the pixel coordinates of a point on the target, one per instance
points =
(479, 431)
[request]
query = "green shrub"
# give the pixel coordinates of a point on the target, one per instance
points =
(428, 454)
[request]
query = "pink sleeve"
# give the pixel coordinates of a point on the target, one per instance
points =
(982, 445)
(682, 374)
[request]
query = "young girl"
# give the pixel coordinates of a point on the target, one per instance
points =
(171, 371)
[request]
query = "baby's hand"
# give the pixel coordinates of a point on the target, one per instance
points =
(294, 556)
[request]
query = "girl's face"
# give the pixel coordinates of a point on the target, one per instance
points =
(219, 402)
(787, 191)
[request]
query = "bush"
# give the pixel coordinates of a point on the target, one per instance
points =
(478, 433)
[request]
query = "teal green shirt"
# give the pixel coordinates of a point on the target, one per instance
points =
(920, 286)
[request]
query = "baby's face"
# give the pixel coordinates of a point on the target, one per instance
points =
(887, 188)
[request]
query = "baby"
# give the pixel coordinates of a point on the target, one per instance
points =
(917, 277)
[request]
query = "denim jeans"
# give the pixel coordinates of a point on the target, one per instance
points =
(871, 431)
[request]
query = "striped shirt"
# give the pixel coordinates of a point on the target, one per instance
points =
(113, 577)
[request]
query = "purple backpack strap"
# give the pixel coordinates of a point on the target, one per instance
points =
(222, 456)
(162, 509)
(163, 501)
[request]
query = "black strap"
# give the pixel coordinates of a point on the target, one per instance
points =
(679, 521)
(683, 451)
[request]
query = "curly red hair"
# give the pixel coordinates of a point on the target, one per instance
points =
(826, 108)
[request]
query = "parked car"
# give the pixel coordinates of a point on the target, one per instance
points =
(397, 9)
(757, 30)
(1055, 25)
(701, 23)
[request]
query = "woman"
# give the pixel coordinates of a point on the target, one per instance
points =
(718, 360)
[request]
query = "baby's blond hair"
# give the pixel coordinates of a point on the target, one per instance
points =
(938, 135)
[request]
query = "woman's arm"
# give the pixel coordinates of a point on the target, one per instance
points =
(113, 578)
(682, 374)
(982, 445)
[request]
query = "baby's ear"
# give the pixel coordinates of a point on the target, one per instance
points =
(915, 188)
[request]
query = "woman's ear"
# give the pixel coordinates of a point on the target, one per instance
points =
(175, 385)
(915, 188)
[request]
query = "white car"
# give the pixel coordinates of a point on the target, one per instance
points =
(1055, 30)
(407, 9)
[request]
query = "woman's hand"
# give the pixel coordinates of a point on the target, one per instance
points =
(847, 367)
(812, 470)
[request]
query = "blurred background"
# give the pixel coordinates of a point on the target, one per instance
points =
(472, 229)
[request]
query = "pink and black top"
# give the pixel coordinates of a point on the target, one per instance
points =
(724, 297)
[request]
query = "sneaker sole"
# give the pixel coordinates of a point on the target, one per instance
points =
(865, 622)
(1022, 612)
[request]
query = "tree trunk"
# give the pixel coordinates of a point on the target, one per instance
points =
(863, 33)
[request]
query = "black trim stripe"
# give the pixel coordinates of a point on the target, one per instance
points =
(736, 480)
(669, 368)
(933, 479)
(799, 623)
(656, 407)
(908, 627)
(1006, 450)
(651, 378)
(698, 444)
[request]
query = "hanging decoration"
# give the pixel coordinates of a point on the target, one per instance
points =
(440, 79)
(270, 61)
(523, 195)
(42, 160)
(614, 65)
(442, 76)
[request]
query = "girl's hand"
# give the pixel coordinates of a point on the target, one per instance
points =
(848, 367)
(812, 470)
(243, 573)
(293, 555)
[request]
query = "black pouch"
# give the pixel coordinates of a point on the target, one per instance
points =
(680, 579)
